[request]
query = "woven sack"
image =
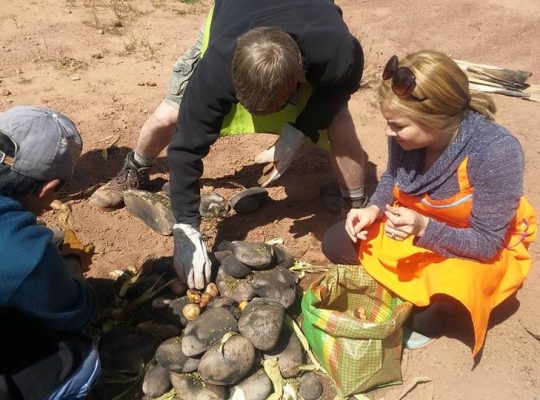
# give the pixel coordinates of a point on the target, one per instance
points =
(354, 328)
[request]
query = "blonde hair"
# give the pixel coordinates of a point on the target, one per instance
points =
(266, 67)
(441, 95)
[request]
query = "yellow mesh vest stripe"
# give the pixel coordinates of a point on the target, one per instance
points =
(240, 121)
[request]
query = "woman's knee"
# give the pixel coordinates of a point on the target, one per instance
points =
(337, 246)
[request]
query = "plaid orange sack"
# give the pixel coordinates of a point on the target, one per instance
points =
(354, 328)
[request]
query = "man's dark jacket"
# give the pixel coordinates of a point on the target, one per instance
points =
(333, 63)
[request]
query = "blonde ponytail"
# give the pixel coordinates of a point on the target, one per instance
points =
(483, 104)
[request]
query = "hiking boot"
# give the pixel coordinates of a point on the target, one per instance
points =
(131, 176)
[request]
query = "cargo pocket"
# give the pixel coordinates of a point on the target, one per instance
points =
(182, 71)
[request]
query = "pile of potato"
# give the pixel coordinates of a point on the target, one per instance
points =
(229, 335)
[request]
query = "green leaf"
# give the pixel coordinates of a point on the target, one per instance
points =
(224, 340)
(290, 393)
(292, 324)
(167, 396)
(271, 368)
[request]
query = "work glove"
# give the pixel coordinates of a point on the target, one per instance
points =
(280, 155)
(72, 246)
(191, 260)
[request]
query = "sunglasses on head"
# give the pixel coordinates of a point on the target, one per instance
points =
(403, 78)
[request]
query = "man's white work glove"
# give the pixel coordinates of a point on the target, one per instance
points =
(280, 155)
(190, 259)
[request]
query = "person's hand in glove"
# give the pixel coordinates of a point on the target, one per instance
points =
(191, 260)
(72, 246)
(280, 155)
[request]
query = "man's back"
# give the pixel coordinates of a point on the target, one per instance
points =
(332, 61)
(18, 255)
(33, 276)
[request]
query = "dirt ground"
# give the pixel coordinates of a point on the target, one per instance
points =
(106, 63)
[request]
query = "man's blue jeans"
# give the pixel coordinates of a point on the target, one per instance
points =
(79, 384)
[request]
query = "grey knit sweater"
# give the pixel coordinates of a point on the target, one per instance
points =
(495, 170)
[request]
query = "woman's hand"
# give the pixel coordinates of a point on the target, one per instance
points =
(359, 219)
(403, 222)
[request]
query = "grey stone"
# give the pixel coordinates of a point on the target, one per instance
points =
(206, 330)
(235, 268)
(225, 245)
(152, 208)
(256, 255)
(261, 323)
(289, 352)
(278, 284)
(257, 386)
(283, 257)
(227, 303)
(237, 289)
(222, 301)
(227, 363)
(221, 254)
(192, 387)
(310, 387)
(171, 357)
(213, 205)
(156, 381)
(249, 200)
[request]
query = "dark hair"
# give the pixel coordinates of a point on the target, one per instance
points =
(14, 184)
(266, 68)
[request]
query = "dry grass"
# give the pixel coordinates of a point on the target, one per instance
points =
(139, 43)
(59, 57)
(194, 7)
(123, 10)
(111, 15)
(371, 64)
(71, 64)
(158, 3)
(370, 44)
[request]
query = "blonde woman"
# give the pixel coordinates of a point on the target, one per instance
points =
(448, 223)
